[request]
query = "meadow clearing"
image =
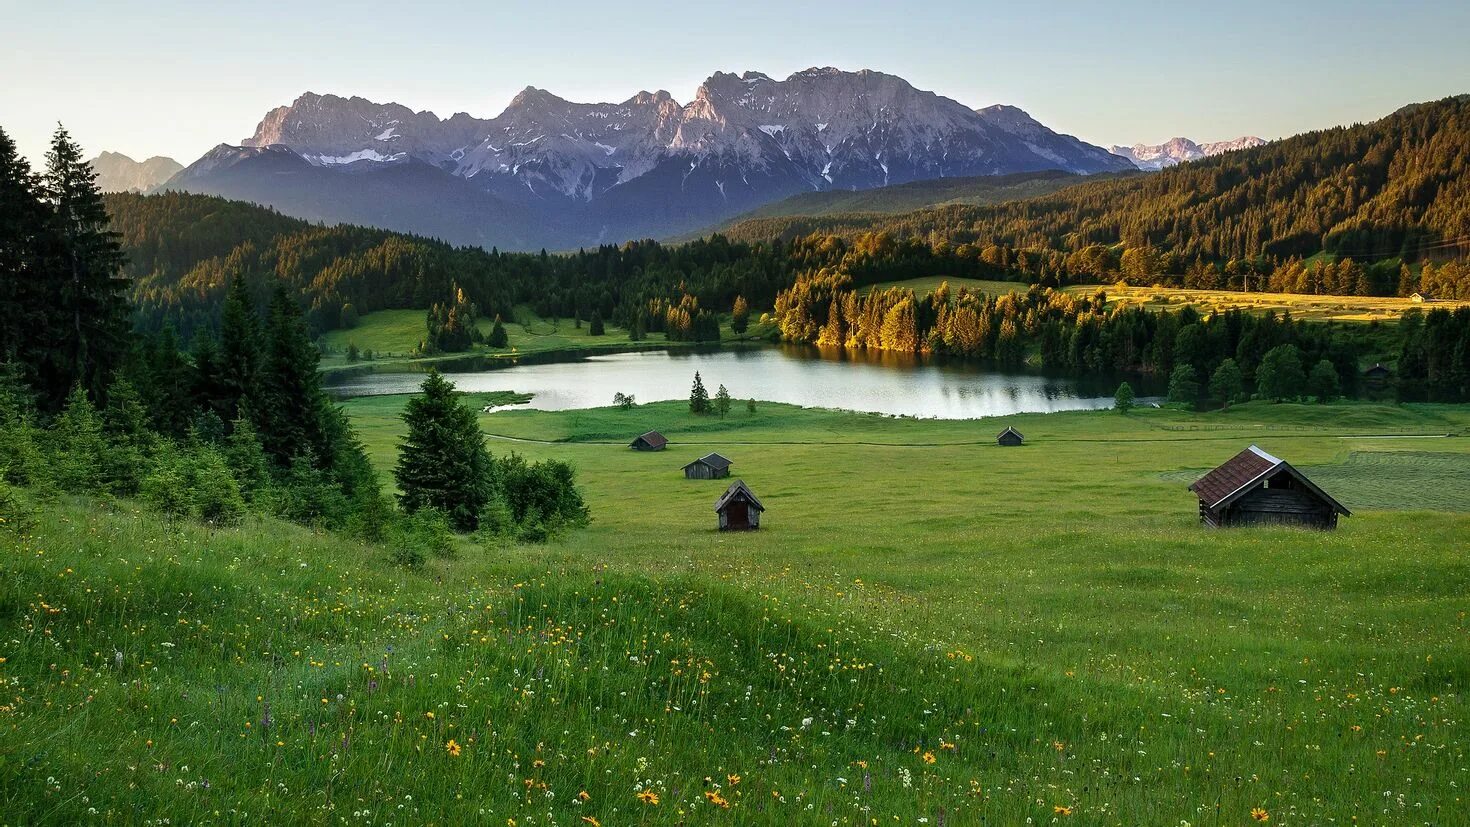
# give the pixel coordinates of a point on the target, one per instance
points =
(1315, 308)
(393, 335)
(927, 629)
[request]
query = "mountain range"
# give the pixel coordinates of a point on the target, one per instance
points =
(119, 173)
(548, 172)
(1180, 150)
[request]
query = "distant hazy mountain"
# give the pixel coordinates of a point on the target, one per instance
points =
(1180, 150)
(119, 173)
(550, 172)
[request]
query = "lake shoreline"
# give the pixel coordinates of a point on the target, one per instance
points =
(920, 386)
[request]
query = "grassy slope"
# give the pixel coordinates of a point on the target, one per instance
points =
(1048, 621)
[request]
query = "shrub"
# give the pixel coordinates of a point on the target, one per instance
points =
(194, 483)
(311, 497)
(422, 534)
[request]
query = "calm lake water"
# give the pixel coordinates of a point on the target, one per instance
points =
(883, 383)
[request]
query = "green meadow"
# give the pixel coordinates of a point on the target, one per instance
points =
(927, 629)
(394, 335)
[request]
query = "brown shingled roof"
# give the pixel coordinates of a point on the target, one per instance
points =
(654, 439)
(1245, 469)
(1237, 472)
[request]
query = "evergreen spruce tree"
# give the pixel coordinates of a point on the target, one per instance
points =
(1123, 398)
(130, 439)
(288, 410)
(498, 336)
(29, 291)
(237, 364)
(595, 327)
(442, 461)
(93, 290)
(171, 382)
(79, 446)
(247, 460)
(722, 402)
(698, 396)
(207, 389)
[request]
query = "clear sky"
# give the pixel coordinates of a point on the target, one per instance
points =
(176, 77)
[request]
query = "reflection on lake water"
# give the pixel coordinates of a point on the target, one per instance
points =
(888, 383)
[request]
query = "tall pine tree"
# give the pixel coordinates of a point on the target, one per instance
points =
(28, 302)
(237, 363)
(93, 289)
(290, 401)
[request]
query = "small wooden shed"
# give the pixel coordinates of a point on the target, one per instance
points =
(1255, 488)
(651, 441)
(1419, 298)
(1009, 437)
(738, 508)
(707, 467)
(1377, 375)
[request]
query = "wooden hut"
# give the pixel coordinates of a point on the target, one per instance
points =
(1419, 298)
(707, 467)
(1377, 375)
(651, 441)
(738, 508)
(1255, 488)
(1009, 437)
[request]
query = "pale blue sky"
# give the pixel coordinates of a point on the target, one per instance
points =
(174, 77)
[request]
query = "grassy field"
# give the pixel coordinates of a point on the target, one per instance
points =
(926, 627)
(1317, 308)
(393, 335)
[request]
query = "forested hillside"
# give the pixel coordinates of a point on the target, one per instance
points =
(917, 195)
(183, 250)
(1397, 187)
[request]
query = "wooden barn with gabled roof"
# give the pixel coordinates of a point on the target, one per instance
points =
(1010, 437)
(708, 467)
(1255, 488)
(651, 441)
(738, 508)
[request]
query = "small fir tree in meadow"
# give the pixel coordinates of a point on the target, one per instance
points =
(722, 402)
(1226, 383)
(750, 405)
(698, 396)
(1323, 381)
(498, 336)
(595, 327)
(1123, 398)
(79, 446)
(442, 461)
(353, 354)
